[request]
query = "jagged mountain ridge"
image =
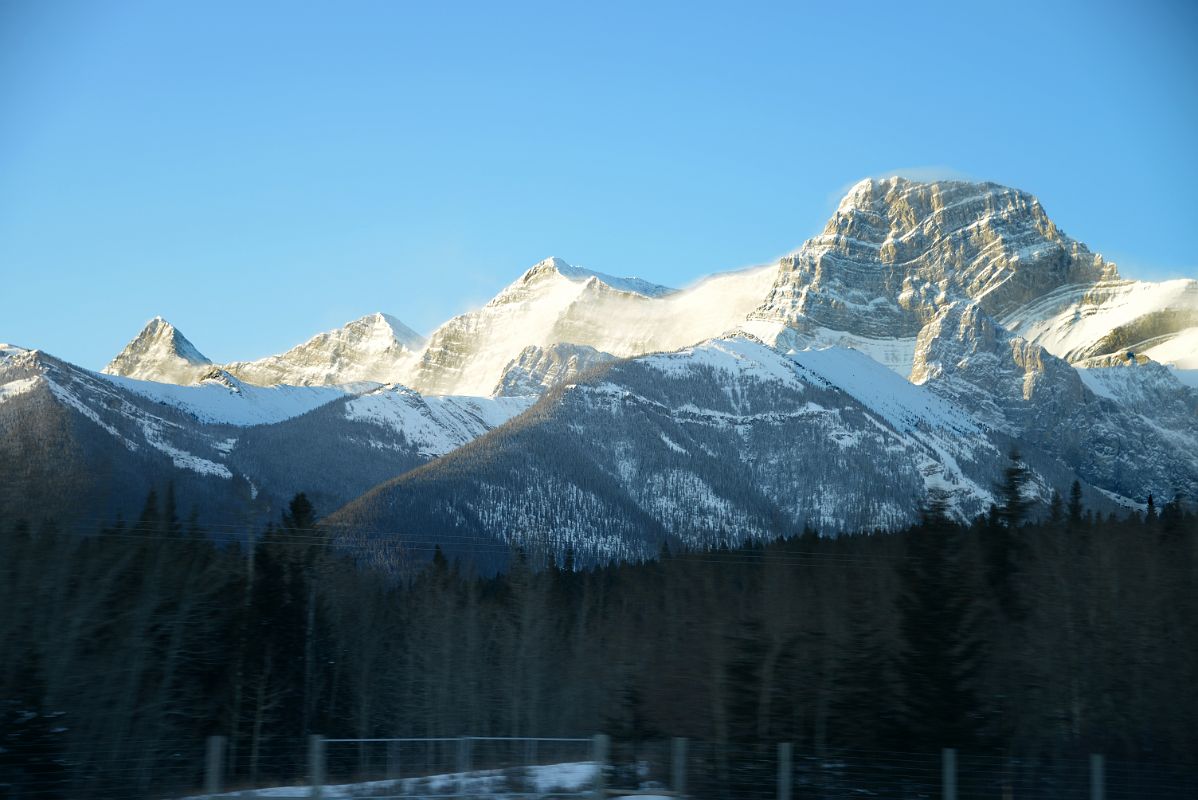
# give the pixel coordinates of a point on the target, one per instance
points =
(554, 303)
(372, 349)
(375, 348)
(733, 440)
(894, 253)
(727, 441)
(233, 450)
(913, 277)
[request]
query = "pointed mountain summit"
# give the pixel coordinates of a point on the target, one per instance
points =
(554, 267)
(376, 348)
(160, 353)
(555, 303)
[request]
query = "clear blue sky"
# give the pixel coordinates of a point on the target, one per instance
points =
(257, 172)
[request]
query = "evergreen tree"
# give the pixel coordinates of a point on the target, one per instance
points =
(1003, 537)
(300, 515)
(939, 657)
(862, 711)
(1075, 505)
(1056, 512)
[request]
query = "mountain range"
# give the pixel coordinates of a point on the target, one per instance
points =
(928, 331)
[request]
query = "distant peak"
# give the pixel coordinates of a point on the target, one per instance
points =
(553, 262)
(7, 349)
(554, 266)
(869, 194)
(387, 324)
(217, 375)
(160, 352)
(546, 267)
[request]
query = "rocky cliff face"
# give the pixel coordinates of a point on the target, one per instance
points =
(893, 254)
(1132, 433)
(896, 251)
(376, 348)
(538, 369)
(160, 353)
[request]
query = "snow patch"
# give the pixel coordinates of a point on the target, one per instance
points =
(18, 387)
(240, 404)
(435, 425)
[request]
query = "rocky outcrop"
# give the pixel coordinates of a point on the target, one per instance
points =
(896, 251)
(376, 348)
(1132, 434)
(160, 353)
(538, 369)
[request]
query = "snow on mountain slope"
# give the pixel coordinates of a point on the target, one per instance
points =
(554, 303)
(1078, 322)
(905, 406)
(160, 353)
(894, 253)
(1150, 390)
(434, 425)
(1128, 430)
(228, 447)
(1179, 350)
(730, 440)
(134, 423)
(722, 441)
(896, 353)
(631, 285)
(376, 348)
(222, 399)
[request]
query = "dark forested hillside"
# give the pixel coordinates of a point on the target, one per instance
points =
(120, 651)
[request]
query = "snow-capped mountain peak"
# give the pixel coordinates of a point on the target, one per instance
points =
(896, 251)
(554, 267)
(597, 315)
(375, 348)
(385, 324)
(160, 353)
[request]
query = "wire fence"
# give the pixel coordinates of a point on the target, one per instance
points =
(507, 768)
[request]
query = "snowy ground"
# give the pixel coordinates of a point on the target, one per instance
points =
(548, 781)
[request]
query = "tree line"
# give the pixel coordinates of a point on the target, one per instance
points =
(1035, 640)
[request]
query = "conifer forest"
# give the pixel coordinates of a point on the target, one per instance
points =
(1023, 640)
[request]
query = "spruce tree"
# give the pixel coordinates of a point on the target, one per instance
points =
(1075, 504)
(939, 654)
(1003, 537)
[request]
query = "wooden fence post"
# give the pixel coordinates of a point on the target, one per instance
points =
(785, 769)
(948, 757)
(678, 764)
(1097, 777)
(599, 756)
(316, 764)
(214, 764)
(393, 760)
(463, 764)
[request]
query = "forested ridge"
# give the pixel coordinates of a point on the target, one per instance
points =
(1040, 640)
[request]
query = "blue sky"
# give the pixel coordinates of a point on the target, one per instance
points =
(258, 172)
